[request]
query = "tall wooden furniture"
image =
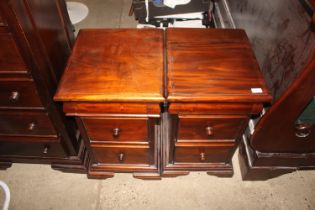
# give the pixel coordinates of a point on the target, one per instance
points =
(207, 83)
(35, 42)
(281, 141)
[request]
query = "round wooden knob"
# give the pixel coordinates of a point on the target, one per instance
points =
(209, 130)
(202, 156)
(14, 97)
(46, 148)
(121, 157)
(116, 132)
(31, 126)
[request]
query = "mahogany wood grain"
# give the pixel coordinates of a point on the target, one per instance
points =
(2, 22)
(33, 52)
(82, 108)
(117, 129)
(209, 128)
(19, 94)
(10, 58)
(215, 108)
(114, 65)
(123, 155)
(27, 123)
(212, 65)
(202, 154)
(57, 48)
(32, 149)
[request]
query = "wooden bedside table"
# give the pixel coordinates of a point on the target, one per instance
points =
(113, 85)
(214, 86)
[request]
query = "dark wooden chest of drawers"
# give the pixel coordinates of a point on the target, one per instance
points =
(32, 126)
(162, 104)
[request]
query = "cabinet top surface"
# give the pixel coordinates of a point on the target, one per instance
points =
(114, 65)
(213, 65)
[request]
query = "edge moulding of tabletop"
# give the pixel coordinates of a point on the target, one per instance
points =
(158, 103)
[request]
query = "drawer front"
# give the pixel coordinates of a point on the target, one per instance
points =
(26, 123)
(10, 58)
(36, 149)
(219, 154)
(19, 94)
(210, 127)
(118, 129)
(2, 22)
(121, 155)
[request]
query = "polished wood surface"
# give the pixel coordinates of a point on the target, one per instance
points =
(123, 155)
(35, 43)
(10, 58)
(210, 128)
(19, 94)
(215, 108)
(202, 154)
(26, 123)
(212, 65)
(115, 98)
(117, 129)
(81, 108)
(114, 65)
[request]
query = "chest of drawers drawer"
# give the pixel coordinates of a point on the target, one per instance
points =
(25, 123)
(10, 58)
(106, 154)
(41, 147)
(210, 127)
(203, 154)
(15, 94)
(101, 129)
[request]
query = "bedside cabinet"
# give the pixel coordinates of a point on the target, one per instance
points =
(213, 87)
(113, 86)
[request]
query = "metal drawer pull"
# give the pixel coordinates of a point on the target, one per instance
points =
(116, 132)
(209, 131)
(14, 97)
(46, 148)
(303, 130)
(202, 156)
(31, 126)
(121, 157)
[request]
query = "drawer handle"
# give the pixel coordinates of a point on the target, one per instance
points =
(303, 130)
(209, 130)
(14, 97)
(202, 156)
(116, 132)
(121, 157)
(31, 126)
(46, 148)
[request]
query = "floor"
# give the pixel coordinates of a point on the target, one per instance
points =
(39, 187)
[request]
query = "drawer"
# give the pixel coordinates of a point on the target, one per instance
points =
(10, 59)
(14, 94)
(119, 129)
(36, 149)
(217, 154)
(2, 22)
(26, 123)
(121, 155)
(210, 127)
